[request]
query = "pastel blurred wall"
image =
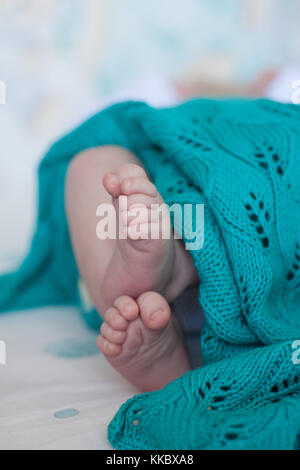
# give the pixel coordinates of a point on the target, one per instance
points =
(61, 59)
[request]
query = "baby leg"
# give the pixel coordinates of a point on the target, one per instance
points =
(139, 336)
(112, 268)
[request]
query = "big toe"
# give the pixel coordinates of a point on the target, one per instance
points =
(111, 182)
(154, 310)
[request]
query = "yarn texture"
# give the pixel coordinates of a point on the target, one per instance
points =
(241, 159)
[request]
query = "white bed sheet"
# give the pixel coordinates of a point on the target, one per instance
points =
(38, 381)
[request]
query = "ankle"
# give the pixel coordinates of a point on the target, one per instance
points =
(184, 273)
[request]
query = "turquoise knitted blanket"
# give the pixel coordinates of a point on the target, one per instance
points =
(242, 160)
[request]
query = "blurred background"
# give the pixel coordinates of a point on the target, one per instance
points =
(62, 60)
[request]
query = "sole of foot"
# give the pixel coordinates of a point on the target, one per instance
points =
(140, 262)
(142, 341)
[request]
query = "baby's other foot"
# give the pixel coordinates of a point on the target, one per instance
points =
(142, 341)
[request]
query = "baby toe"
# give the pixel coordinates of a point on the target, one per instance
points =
(131, 170)
(127, 307)
(108, 348)
(115, 319)
(114, 336)
(111, 182)
(138, 184)
(154, 309)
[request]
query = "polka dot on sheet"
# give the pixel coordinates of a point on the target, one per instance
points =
(67, 413)
(73, 348)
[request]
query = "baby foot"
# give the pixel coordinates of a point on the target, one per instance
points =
(140, 263)
(142, 341)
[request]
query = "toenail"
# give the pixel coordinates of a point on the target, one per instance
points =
(127, 183)
(114, 178)
(127, 308)
(155, 314)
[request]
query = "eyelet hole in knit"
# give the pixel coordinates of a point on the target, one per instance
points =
(295, 265)
(157, 148)
(280, 171)
(257, 216)
(244, 296)
(193, 142)
(262, 159)
(230, 436)
(226, 388)
(276, 160)
(177, 187)
(285, 384)
(218, 399)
